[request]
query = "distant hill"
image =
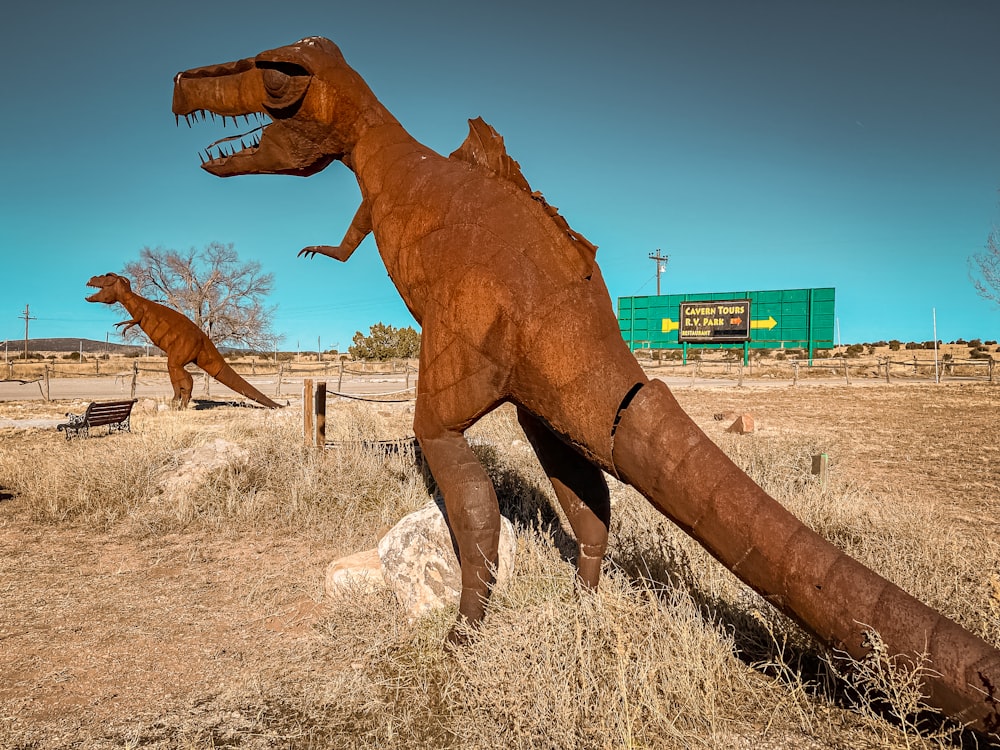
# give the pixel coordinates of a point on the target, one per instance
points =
(90, 346)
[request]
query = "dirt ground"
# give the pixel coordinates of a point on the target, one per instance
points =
(178, 640)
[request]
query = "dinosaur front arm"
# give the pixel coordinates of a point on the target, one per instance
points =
(361, 227)
(127, 323)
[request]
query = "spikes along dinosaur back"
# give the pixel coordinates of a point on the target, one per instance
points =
(177, 335)
(514, 309)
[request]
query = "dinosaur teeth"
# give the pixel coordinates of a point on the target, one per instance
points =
(225, 147)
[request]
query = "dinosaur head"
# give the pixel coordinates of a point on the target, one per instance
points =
(311, 105)
(111, 288)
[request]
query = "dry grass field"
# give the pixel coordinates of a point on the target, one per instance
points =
(133, 618)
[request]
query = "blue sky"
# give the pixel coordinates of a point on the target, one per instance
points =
(761, 145)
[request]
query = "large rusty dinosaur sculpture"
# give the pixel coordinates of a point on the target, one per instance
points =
(177, 335)
(508, 297)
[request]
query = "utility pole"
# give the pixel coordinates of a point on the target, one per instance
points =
(26, 317)
(661, 266)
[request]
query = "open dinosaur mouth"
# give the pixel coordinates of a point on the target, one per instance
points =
(219, 151)
(94, 283)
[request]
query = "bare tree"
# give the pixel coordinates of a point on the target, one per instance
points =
(221, 294)
(984, 268)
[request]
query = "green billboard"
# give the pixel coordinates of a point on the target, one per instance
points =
(769, 319)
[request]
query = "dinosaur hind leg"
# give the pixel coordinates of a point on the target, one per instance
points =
(458, 385)
(582, 493)
(183, 384)
(473, 512)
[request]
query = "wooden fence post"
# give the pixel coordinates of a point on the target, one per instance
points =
(135, 377)
(739, 375)
(820, 465)
(847, 371)
(307, 411)
(47, 393)
(208, 381)
(795, 372)
(340, 377)
(320, 409)
(281, 372)
(886, 369)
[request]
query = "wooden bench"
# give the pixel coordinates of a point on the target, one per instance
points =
(115, 414)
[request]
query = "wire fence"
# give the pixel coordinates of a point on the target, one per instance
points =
(155, 375)
(882, 368)
(152, 374)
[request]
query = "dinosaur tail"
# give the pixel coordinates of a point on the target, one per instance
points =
(661, 452)
(221, 370)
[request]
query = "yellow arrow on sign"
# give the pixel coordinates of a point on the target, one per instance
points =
(670, 325)
(768, 324)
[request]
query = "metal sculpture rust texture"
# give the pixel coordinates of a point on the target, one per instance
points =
(177, 335)
(514, 309)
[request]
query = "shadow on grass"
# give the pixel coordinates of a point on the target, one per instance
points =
(769, 644)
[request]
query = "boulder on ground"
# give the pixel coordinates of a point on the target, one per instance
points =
(360, 569)
(743, 425)
(196, 463)
(420, 565)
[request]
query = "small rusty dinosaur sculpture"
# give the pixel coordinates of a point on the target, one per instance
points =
(175, 334)
(514, 309)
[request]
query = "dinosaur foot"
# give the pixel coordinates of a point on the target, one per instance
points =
(463, 633)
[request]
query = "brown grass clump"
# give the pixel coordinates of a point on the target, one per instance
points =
(134, 617)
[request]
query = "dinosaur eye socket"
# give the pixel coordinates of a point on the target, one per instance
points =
(284, 83)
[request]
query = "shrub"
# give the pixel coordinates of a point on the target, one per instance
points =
(894, 345)
(855, 350)
(385, 342)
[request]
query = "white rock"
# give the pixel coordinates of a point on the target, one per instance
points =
(419, 563)
(360, 569)
(194, 464)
